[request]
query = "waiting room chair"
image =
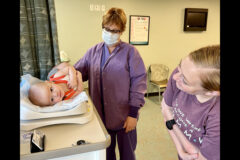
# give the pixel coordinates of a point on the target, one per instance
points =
(158, 76)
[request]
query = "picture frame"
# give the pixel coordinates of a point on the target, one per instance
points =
(139, 29)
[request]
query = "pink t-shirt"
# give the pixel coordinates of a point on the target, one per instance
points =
(200, 122)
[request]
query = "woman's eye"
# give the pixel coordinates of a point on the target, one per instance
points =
(51, 89)
(185, 82)
(52, 99)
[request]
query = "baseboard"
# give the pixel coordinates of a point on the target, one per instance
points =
(152, 94)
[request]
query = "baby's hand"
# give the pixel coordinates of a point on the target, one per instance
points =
(72, 84)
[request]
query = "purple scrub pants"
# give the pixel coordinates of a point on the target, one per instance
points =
(127, 143)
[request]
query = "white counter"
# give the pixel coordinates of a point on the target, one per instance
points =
(59, 140)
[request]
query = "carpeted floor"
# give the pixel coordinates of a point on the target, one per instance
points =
(153, 140)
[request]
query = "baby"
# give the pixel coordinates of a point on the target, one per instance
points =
(64, 83)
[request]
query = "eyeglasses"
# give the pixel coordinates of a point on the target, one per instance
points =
(112, 31)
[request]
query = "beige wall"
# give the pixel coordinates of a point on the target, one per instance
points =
(79, 28)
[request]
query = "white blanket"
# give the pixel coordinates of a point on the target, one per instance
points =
(28, 80)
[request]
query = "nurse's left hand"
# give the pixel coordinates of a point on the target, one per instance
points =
(130, 124)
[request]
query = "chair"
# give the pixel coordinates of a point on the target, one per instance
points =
(158, 76)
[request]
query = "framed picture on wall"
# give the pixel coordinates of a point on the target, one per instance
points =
(139, 30)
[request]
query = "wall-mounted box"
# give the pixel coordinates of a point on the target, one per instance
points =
(195, 19)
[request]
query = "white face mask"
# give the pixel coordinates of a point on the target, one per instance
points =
(110, 38)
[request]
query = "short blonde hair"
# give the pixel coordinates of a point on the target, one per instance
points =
(209, 59)
(115, 16)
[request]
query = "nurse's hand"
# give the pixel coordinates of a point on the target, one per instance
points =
(79, 82)
(130, 124)
(79, 87)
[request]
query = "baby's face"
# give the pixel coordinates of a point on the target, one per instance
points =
(51, 93)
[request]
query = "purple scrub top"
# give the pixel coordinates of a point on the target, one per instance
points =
(124, 82)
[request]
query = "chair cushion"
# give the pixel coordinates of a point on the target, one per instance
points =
(159, 72)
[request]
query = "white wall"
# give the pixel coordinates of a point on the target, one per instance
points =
(79, 28)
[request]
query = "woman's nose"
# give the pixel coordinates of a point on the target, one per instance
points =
(55, 94)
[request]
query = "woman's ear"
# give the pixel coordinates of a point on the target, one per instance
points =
(213, 93)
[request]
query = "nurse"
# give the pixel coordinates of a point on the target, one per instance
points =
(117, 83)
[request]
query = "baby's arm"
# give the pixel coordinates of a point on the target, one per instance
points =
(67, 69)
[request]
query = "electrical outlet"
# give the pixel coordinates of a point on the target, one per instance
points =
(91, 7)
